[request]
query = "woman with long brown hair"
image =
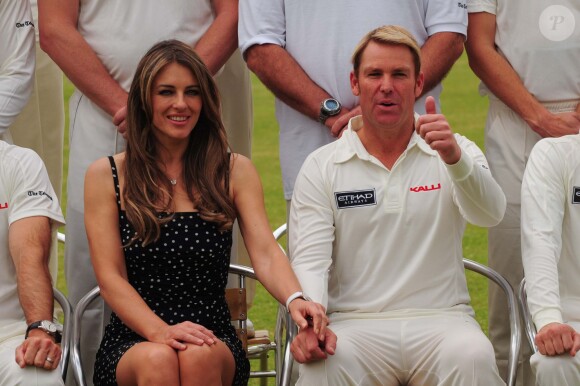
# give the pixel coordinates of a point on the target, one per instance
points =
(159, 219)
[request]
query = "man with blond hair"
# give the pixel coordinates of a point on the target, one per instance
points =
(300, 51)
(376, 224)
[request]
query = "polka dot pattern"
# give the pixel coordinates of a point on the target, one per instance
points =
(181, 277)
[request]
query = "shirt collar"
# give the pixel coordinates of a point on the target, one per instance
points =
(351, 145)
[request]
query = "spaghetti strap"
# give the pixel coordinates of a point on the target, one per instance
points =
(116, 181)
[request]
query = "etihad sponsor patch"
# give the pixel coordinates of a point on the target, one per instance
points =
(355, 198)
(576, 195)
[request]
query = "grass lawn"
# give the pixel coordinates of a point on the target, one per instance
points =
(465, 110)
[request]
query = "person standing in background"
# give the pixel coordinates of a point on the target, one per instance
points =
(98, 44)
(40, 126)
(17, 59)
(526, 55)
(301, 52)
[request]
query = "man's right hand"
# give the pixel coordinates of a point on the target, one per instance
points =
(339, 123)
(556, 339)
(557, 125)
(120, 120)
(38, 350)
(307, 348)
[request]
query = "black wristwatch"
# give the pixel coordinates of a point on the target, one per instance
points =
(51, 328)
(328, 108)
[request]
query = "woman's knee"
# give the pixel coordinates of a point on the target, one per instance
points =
(148, 364)
(205, 355)
(208, 363)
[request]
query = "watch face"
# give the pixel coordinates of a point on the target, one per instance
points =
(331, 104)
(48, 326)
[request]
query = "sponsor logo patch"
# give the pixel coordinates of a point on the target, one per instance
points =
(32, 193)
(425, 188)
(576, 195)
(4, 206)
(345, 200)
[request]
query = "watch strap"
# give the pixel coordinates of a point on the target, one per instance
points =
(57, 335)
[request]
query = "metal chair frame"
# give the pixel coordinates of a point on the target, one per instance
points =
(67, 330)
(291, 329)
(527, 316)
(67, 310)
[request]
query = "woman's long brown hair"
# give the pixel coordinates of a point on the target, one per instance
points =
(147, 192)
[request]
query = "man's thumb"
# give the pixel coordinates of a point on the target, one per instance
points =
(430, 107)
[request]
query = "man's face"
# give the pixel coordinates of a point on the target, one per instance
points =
(387, 86)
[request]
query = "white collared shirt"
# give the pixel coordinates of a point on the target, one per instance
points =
(365, 239)
(17, 59)
(551, 230)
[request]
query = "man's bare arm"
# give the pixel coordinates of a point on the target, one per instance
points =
(280, 72)
(29, 242)
(500, 77)
(222, 33)
(61, 40)
(438, 54)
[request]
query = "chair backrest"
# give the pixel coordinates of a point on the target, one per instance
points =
(512, 303)
(515, 328)
(67, 329)
(527, 316)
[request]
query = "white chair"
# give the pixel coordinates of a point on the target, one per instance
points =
(291, 329)
(527, 316)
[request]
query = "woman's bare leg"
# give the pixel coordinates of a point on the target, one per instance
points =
(206, 365)
(147, 364)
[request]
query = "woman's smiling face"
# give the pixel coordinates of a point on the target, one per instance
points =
(176, 102)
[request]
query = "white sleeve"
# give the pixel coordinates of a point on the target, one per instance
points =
(311, 232)
(31, 193)
(489, 6)
(17, 59)
(543, 203)
(480, 199)
(446, 16)
(261, 22)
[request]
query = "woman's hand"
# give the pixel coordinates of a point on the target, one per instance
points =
(305, 313)
(186, 332)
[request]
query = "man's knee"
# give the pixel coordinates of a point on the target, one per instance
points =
(29, 376)
(561, 370)
(356, 362)
(468, 352)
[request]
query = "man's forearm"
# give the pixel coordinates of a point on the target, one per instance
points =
(222, 33)
(29, 241)
(286, 79)
(495, 71)
(60, 39)
(438, 55)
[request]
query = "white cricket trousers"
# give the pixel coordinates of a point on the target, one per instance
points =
(442, 350)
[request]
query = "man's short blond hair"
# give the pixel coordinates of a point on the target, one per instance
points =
(388, 34)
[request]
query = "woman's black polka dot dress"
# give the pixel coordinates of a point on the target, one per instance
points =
(181, 277)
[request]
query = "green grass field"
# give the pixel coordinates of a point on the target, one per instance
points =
(465, 110)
